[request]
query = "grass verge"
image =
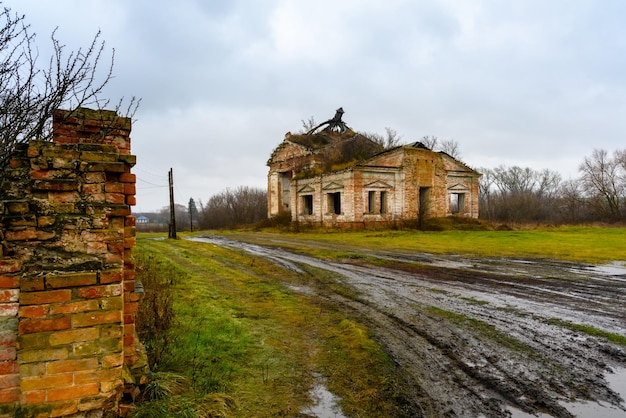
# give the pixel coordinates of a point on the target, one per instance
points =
(249, 345)
(572, 243)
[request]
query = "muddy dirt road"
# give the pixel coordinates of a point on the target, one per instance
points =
(485, 337)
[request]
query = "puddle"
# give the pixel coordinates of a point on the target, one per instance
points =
(616, 381)
(325, 403)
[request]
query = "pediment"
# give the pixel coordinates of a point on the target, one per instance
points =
(378, 184)
(332, 186)
(306, 189)
(458, 187)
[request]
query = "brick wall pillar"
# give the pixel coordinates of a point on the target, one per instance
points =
(67, 281)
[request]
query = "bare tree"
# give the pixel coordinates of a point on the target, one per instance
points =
(29, 94)
(516, 194)
(602, 181)
(449, 146)
(430, 142)
(391, 139)
(308, 124)
(229, 208)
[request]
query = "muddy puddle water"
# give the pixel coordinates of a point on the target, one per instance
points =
(617, 382)
(325, 402)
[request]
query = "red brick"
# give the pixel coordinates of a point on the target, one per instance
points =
(35, 311)
(8, 338)
(95, 376)
(45, 354)
(42, 325)
(131, 200)
(74, 307)
(9, 367)
(96, 318)
(45, 220)
(130, 221)
(130, 242)
(56, 185)
(71, 280)
(30, 284)
(9, 309)
(113, 257)
(50, 296)
(96, 292)
(64, 197)
(73, 392)
(130, 231)
(74, 335)
(131, 297)
(112, 360)
(43, 174)
(18, 208)
(95, 177)
(9, 395)
(129, 340)
(69, 366)
(131, 307)
(129, 319)
(9, 265)
(9, 380)
(111, 187)
(47, 381)
(130, 189)
(33, 397)
(64, 408)
(116, 247)
(114, 276)
(8, 353)
(115, 198)
(22, 235)
(130, 274)
(9, 282)
(128, 178)
(9, 295)
(92, 188)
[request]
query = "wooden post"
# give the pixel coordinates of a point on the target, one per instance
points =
(172, 228)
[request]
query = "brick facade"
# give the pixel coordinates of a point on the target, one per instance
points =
(67, 278)
(400, 184)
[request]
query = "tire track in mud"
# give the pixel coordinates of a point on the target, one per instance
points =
(474, 341)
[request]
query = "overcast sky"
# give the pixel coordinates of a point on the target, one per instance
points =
(533, 83)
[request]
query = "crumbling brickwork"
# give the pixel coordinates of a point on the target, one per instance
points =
(405, 183)
(67, 278)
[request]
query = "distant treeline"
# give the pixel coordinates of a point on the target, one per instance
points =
(507, 194)
(515, 194)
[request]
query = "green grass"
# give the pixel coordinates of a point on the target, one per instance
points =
(241, 333)
(573, 243)
(589, 330)
(483, 329)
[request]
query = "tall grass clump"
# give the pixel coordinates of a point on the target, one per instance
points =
(156, 316)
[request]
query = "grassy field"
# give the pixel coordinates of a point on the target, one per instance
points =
(583, 244)
(242, 334)
(249, 346)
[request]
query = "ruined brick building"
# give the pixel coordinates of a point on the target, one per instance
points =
(68, 297)
(337, 177)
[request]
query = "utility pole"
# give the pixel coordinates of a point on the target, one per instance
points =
(172, 229)
(192, 209)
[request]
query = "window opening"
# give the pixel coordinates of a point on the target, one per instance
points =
(371, 202)
(307, 203)
(334, 203)
(383, 202)
(457, 202)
